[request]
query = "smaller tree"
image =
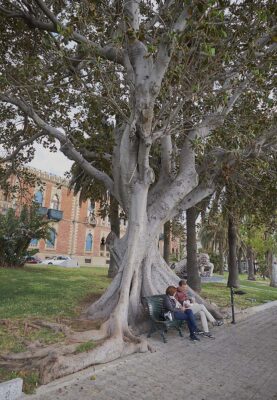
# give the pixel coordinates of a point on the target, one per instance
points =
(16, 233)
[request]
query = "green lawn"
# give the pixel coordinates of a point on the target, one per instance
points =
(48, 292)
(257, 292)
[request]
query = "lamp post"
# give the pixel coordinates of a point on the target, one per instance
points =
(233, 292)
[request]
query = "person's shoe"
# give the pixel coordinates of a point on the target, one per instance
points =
(199, 332)
(194, 338)
(209, 335)
(218, 323)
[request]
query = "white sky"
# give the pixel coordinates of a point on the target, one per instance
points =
(55, 163)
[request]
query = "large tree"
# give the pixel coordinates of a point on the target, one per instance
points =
(163, 76)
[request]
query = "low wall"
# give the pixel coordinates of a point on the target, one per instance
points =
(11, 390)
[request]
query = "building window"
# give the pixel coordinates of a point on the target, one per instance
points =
(34, 243)
(50, 244)
(39, 197)
(89, 242)
(55, 202)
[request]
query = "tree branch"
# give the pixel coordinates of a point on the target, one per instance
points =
(107, 52)
(194, 197)
(93, 155)
(13, 155)
(66, 145)
(131, 10)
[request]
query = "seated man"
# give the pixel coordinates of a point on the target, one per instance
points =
(182, 296)
(179, 312)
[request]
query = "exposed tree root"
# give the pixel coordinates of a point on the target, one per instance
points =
(54, 326)
(55, 366)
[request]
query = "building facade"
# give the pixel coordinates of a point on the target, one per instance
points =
(78, 229)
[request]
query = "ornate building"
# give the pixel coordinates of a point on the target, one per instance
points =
(78, 230)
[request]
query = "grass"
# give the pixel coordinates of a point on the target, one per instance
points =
(15, 335)
(87, 346)
(48, 292)
(39, 292)
(257, 292)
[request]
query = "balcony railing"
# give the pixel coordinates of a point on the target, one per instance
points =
(56, 215)
(42, 211)
(91, 220)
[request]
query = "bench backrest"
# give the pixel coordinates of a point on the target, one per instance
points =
(155, 306)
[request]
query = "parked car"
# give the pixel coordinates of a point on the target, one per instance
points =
(57, 260)
(32, 260)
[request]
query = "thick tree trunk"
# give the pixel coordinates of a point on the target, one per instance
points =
(194, 280)
(142, 272)
(233, 278)
(221, 258)
(115, 228)
(250, 263)
(167, 241)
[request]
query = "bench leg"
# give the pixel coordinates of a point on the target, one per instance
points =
(180, 332)
(163, 336)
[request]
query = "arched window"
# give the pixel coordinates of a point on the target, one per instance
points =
(55, 202)
(89, 242)
(50, 244)
(39, 197)
(34, 243)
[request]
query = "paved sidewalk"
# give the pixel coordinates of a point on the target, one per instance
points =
(240, 364)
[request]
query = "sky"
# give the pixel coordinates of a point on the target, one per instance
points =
(54, 163)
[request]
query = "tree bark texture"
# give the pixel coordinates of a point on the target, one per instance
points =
(194, 280)
(167, 241)
(115, 228)
(250, 263)
(240, 253)
(273, 271)
(233, 278)
(221, 258)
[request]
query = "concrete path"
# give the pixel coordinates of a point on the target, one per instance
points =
(240, 364)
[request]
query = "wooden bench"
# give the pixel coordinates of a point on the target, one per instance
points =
(155, 308)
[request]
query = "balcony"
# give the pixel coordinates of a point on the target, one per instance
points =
(91, 220)
(55, 215)
(42, 211)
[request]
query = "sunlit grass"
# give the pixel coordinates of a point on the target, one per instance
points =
(257, 292)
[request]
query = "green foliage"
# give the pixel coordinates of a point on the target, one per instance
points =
(16, 233)
(87, 346)
(215, 259)
(261, 239)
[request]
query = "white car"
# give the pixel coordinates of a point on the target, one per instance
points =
(57, 260)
